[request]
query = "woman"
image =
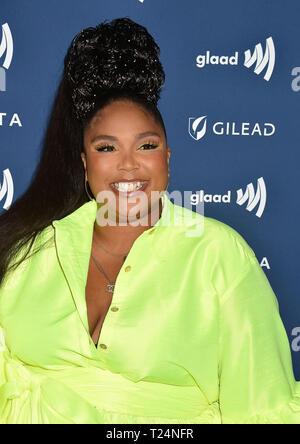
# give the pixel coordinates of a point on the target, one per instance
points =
(113, 315)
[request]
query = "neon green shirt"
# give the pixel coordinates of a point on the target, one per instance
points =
(193, 333)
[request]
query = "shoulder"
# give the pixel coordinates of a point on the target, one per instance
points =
(221, 253)
(219, 236)
(230, 248)
(42, 242)
(28, 256)
(227, 239)
(215, 245)
(231, 258)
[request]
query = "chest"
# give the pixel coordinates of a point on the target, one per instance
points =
(164, 319)
(97, 292)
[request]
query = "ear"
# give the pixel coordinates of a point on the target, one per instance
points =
(168, 154)
(83, 157)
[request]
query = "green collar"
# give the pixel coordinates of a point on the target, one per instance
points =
(172, 214)
(73, 240)
(74, 235)
(86, 214)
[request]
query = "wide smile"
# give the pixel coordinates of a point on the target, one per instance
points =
(128, 189)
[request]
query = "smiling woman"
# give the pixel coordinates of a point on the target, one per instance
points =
(110, 311)
(134, 158)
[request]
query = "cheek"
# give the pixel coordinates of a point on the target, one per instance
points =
(158, 164)
(98, 167)
(97, 172)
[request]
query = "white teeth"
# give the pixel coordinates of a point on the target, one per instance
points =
(128, 186)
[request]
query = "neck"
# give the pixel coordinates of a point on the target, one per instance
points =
(120, 237)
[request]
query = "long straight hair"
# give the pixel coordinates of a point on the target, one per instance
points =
(58, 185)
(56, 189)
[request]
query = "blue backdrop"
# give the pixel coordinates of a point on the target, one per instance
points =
(230, 105)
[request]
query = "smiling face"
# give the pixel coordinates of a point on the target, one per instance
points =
(123, 142)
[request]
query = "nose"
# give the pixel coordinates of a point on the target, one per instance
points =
(128, 161)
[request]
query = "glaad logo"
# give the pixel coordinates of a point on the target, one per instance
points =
(7, 189)
(198, 127)
(262, 60)
(5, 45)
(253, 199)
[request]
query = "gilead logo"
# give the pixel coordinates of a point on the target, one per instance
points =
(261, 59)
(198, 128)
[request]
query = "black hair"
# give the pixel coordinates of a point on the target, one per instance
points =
(114, 60)
(115, 95)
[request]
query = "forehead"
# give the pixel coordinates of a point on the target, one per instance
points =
(122, 116)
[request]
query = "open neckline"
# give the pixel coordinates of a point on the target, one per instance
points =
(163, 198)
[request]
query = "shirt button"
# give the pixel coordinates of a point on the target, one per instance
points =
(114, 309)
(151, 232)
(128, 268)
(103, 346)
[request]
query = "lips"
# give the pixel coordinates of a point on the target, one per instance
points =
(129, 192)
(129, 180)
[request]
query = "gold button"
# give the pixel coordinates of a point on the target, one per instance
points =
(114, 309)
(128, 268)
(103, 346)
(151, 232)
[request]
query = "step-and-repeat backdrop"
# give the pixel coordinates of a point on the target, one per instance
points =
(230, 105)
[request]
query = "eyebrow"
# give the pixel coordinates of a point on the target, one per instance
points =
(112, 138)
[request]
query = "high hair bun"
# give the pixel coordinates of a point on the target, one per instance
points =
(119, 55)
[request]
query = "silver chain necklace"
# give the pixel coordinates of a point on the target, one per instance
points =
(114, 254)
(111, 286)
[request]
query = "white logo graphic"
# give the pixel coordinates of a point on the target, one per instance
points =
(141, 1)
(229, 128)
(193, 126)
(5, 45)
(209, 59)
(7, 189)
(253, 199)
(262, 60)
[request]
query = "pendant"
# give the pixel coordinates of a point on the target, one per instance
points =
(110, 288)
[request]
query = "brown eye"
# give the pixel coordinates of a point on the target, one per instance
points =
(149, 146)
(104, 148)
